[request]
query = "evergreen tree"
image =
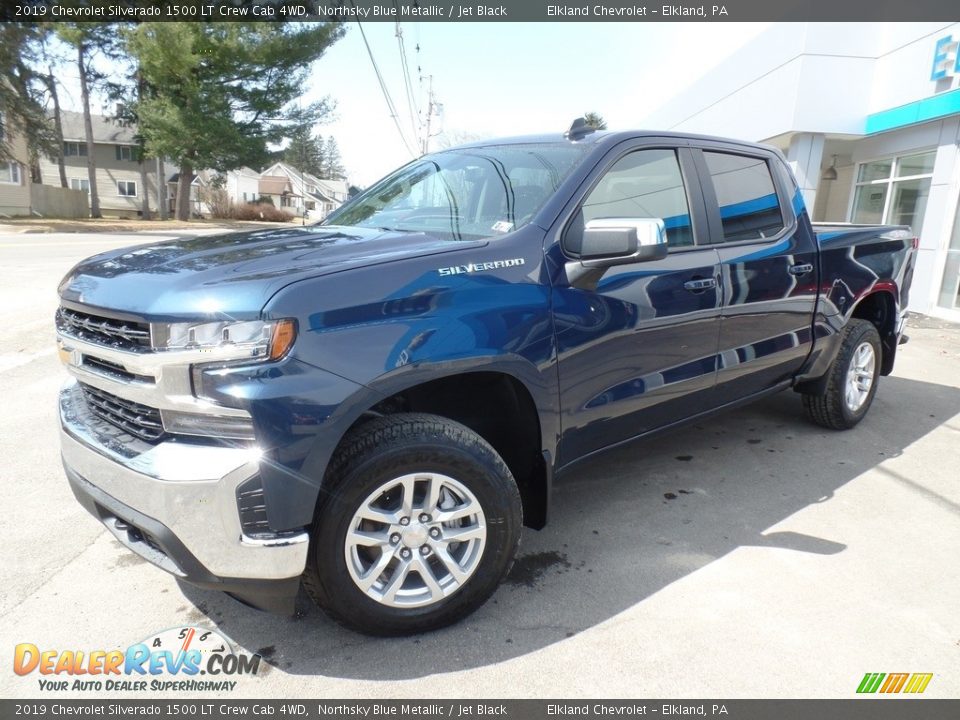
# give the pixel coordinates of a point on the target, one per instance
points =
(595, 120)
(304, 152)
(223, 91)
(332, 162)
(22, 90)
(125, 92)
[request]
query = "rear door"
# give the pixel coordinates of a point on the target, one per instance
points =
(768, 261)
(638, 351)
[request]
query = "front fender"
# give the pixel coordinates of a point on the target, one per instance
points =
(391, 327)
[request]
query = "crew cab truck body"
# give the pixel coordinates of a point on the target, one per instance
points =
(374, 406)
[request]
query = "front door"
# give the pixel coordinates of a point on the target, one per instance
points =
(638, 351)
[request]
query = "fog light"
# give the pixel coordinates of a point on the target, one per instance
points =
(217, 426)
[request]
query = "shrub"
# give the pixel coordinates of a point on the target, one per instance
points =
(217, 200)
(249, 211)
(269, 213)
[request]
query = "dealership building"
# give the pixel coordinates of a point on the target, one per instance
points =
(868, 116)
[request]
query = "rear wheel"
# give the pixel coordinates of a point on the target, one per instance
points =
(419, 522)
(851, 379)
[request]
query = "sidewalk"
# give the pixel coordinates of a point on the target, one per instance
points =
(80, 225)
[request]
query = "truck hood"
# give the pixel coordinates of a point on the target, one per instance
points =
(233, 274)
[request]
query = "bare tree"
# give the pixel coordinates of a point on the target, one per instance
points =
(452, 138)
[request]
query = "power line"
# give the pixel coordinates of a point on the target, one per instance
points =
(386, 93)
(415, 123)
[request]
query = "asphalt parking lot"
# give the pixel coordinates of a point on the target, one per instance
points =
(754, 555)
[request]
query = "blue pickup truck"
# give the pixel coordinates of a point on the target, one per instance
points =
(372, 408)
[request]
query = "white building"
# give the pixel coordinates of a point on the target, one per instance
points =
(242, 185)
(868, 116)
(318, 196)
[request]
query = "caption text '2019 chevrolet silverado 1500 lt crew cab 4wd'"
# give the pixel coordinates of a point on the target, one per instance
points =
(373, 407)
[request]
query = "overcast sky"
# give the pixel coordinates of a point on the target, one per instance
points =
(505, 79)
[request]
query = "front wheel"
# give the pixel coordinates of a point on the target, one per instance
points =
(419, 522)
(851, 379)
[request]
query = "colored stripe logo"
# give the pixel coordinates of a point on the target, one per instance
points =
(914, 683)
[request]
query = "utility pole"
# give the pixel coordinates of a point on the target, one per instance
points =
(425, 145)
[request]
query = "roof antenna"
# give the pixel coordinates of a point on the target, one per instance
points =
(579, 129)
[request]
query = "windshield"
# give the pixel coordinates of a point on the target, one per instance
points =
(465, 194)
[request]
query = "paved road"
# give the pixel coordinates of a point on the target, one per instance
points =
(751, 555)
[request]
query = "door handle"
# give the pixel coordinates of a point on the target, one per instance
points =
(801, 269)
(700, 284)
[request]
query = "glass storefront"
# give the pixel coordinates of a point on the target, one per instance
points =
(893, 191)
(950, 287)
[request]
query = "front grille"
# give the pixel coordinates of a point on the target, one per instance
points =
(139, 420)
(119, 334)
(105, 367)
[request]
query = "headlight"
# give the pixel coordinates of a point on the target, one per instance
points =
(229, 340)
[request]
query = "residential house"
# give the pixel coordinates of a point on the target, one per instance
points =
(242, 185)
(14, 174)
(315, 197)
(117, 166)
(279, 189)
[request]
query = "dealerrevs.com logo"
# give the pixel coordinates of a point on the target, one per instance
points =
(188, 659)
(892, 683)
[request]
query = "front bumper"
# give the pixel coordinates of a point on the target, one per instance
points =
(174, 503)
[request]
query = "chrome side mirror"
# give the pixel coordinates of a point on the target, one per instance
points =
(616, 241)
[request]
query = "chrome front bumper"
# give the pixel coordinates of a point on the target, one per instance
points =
(184, 491)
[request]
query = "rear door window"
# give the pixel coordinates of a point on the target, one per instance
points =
(749, 205)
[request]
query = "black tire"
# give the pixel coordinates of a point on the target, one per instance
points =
(830, 409)
(377, 452)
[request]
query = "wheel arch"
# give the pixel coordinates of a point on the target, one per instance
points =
(880, 308)
(508, 406)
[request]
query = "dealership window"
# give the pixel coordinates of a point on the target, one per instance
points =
(10, 173)
(950, 288)
(80, 184)
(893, 191)
(126, 188)
(74, 149)
(125, 152)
